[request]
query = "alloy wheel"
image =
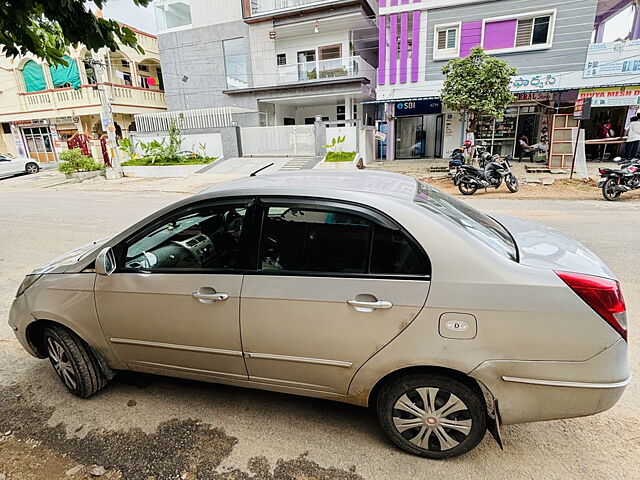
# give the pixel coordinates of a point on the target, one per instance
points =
(432, 418)
(32, 168)
(61, 363)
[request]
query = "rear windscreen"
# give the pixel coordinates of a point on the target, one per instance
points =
(476, 223)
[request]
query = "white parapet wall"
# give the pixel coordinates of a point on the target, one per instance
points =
(162, 171)
(191, 142)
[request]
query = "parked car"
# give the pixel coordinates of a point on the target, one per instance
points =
(363, 287)
(12, 166)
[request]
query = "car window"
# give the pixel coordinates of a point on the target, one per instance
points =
(302, 240)
(205, 239)
(481, 226)
(330, 241)
(393, 254)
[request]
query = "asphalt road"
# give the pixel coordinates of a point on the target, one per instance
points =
(145, 426)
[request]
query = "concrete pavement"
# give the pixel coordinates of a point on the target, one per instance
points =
(260, 435)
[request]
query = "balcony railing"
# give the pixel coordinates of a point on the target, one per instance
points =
(260, 7)
(322, 69)
(86, 95)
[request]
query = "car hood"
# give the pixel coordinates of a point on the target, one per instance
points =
(546, 247)
(62, 262)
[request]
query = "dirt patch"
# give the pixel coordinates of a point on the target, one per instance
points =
(179, 449)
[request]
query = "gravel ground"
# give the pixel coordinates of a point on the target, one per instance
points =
(145, 427)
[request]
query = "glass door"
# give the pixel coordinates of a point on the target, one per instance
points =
(410, 137)
(39, 144)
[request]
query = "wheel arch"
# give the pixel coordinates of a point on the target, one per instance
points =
(35, 336)
(427, 369)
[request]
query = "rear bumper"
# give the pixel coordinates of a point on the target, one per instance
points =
(531, 391)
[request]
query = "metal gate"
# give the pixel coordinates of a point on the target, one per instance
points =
(287, 141)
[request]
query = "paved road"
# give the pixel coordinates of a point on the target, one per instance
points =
(141, 423)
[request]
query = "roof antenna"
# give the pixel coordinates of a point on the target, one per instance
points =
(260, 169)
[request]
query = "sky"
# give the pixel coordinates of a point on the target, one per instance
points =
(126, 11)
(144, 18)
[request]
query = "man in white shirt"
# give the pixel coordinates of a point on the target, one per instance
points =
(633, 138)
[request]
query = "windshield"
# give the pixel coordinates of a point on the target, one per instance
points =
(481, 226)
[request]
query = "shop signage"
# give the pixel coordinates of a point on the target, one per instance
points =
(612, 58)
(25, 123)
(612, 96)
(62, 120)
(534, 96)
(542, 81)
(582, 108)
(418, 107)
(18, 142)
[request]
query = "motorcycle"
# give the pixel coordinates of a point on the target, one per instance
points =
(469, 178)
(615, 181)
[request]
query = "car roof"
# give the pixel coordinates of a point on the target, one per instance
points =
(320, 183)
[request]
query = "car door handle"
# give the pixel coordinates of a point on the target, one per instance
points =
(210, 297)
(363, 306)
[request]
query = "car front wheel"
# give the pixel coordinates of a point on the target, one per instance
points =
(32, 168)
(432, 415)
(73, 362)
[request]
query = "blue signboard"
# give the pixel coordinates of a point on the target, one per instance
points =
(418, 107)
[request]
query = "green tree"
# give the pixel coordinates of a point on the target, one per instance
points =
(477, 85)
(47, 28)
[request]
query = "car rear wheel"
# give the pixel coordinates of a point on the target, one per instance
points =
(73, 362)
(432, 415)
(32, 168)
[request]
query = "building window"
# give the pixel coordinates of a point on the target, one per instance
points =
(281, 59)
(533, 31)
(172, 14)
(446, 41)
(235, 63)
(529, 31)
(65, 76)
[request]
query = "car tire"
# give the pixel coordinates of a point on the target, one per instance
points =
(609, 191)
(458, 431)
(31, 168)
(73, 362)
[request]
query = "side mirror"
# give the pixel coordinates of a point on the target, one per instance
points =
(105, 262)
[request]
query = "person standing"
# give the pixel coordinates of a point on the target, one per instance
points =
(633, 138)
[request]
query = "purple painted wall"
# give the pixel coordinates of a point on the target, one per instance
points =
(404, 41)
(382, 50)
(500, 34)
(470, 36)
(393, 48)
(393, 3)
(382, 3)
(415, 46)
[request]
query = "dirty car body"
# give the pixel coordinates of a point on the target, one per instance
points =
(367, 288)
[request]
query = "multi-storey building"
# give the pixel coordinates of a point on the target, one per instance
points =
(548, 41)
(285, 62)
(42, 106)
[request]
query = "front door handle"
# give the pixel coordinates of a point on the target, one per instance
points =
(362, 306)
(210, 297)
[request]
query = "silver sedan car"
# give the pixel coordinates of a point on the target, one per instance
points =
(368, 288)
(12, 166)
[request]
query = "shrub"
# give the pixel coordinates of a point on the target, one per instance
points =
(74, 161)
(340, 156)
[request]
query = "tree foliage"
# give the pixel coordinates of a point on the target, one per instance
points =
(47, 28)
(477, 85)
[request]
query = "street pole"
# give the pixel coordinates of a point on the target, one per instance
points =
(575, 150)
(106, 118)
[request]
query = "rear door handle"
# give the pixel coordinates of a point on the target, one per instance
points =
(362, 306)
(210, 297)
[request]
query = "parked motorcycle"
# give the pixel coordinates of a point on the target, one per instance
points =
(469, 178)
(615, 181)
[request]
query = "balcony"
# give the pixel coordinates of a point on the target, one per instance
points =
(263, 7)
(86, 96)
(324, 69)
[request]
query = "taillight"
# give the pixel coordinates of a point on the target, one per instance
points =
(602, 171)
(603, 295)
